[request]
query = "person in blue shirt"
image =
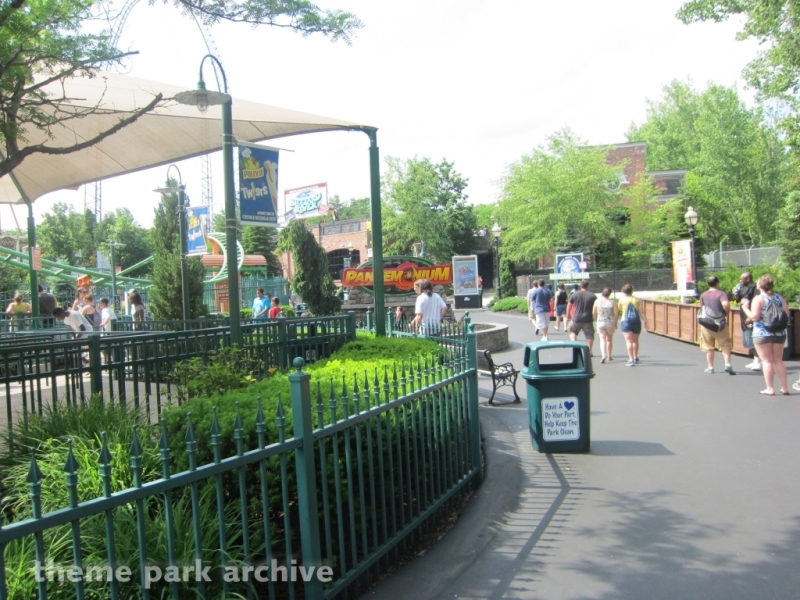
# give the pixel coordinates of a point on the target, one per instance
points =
(260, 305)
(539, 304)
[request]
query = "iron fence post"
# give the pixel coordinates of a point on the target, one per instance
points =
(351, 325)
(472, 404)
(283, 360)
(95, 365)
(389, 319)
(369, 319)
(305, 466)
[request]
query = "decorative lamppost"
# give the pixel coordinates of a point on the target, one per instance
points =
(180, 190)
(692, 218)
(202, 99)
(113, 245)
(496, 231)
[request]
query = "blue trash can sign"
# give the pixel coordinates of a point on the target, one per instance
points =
(560, 419)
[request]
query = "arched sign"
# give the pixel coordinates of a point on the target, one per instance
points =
(399, 274)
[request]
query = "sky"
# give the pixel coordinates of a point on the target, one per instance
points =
(474, 82)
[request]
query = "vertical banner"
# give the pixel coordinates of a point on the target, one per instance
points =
(465, 282)
(682, 261)
(196, 230)
(258, 185)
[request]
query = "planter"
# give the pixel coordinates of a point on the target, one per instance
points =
(492, 337)
(679, 321)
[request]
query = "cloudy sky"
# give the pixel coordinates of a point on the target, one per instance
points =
(475, 82)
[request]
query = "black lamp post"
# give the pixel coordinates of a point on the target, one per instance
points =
(496, 231)
(202, 99)
(692, 218)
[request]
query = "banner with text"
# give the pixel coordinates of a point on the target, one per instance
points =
(305, 202)
(682, 261)
(258, 185)
(196, 230)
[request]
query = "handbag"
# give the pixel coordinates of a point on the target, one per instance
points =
(710, 320)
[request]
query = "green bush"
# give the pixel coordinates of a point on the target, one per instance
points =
(787, 281)
(246, 313)
(288, 311)
(514, 303)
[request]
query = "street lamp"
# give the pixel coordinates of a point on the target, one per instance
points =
(113, 245)
(180, 190)
(202, 99)
(692, 218)
(496, 231)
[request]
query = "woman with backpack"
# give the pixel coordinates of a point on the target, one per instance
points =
(769, 317)
(631, 320)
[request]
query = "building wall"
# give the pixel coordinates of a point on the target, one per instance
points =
(634, 153)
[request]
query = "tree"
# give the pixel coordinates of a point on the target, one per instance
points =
(121, 227)
(557, 192)
(427, 204)
(166, 301)
(262, 241)
(484, 215)
(58, 234)
(355, 209)
(737, 162)
(312, 280)
(508, 284)
(789, 239)
(42, 43)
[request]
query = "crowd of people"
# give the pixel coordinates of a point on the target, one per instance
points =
(764, 318)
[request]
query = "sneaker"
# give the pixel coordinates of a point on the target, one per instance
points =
(630, 363)
(756, 368)
(796, 386)
(710, 370)
(729, 370)
(751, 365)
(637, 360)
(544, 339)
(602, 360)
(536, 332)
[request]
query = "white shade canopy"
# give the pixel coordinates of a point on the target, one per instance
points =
(170, 132)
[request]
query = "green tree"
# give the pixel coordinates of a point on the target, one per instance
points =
(357, 208)
(166, 301)
(484, 215)
(737, 162)
(561, 191)
(43, 42)
(262, 241)
(59, 234)
(508, 283)
(120, 226)
(312, 280)
(789, 239)
(427, 204)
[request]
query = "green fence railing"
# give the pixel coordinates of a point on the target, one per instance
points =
(136, 366)
(367, 467)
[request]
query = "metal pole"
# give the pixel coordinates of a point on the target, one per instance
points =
(377, 232)
(184, 251)
(499, 293)
(694, 265)
(33, 274)
(230, 224)
(113, 277)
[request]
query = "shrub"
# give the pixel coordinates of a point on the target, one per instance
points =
(246, 313)
(287, 310)
(513, 303)
(224, 369)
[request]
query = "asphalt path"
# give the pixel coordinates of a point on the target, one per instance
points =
(691, 490)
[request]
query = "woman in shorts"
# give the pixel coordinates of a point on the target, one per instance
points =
(631, 329)
(769, 345)
(561, 306)
(605, 313)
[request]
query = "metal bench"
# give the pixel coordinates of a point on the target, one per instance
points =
(502, 375)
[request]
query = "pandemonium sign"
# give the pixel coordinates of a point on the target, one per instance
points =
(399, 274)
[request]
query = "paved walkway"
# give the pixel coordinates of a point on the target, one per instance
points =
(691, 490)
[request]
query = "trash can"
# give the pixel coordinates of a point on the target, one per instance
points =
(788, 346)
(558, 377)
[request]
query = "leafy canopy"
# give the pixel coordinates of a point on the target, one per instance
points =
(562, 190)
(426, 204)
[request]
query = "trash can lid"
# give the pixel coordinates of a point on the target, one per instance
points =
(565, 359)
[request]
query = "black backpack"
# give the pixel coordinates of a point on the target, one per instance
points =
(773, 317)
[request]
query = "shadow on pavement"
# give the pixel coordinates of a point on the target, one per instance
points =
(628, 448)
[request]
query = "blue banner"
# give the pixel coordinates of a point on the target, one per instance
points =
(196, 230)
(258, 185)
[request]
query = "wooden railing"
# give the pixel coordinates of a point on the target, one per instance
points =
(679, 321)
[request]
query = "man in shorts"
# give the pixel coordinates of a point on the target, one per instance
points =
(583, 303)
(531, 314)
(716, 302)
(744, 294)
(539, 305)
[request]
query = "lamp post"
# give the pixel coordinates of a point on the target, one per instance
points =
(496, 231)
(181, 191)
(113, 245)
(202, 99)
(692, 218)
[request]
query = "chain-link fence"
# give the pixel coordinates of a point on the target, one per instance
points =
(743, 256)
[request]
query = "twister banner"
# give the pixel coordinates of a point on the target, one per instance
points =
(682, 261)
(258, 185)
(196, 230)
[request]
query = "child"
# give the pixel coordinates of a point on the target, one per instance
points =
(275, 311)
(107, 316)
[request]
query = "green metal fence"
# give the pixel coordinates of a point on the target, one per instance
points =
(136, 366)
(368, 467)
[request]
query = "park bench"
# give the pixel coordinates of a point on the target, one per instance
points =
(502, 375)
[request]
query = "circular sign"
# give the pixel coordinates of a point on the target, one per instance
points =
(8, 242)
(568, 265)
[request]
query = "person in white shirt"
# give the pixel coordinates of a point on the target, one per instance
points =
(107, 315)
(429, 311)
(74, 320)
